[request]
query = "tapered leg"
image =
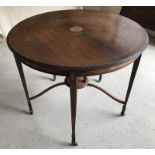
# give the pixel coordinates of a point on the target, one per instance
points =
(73, 96)
(132, 77)
(21, 73)
(100, 78)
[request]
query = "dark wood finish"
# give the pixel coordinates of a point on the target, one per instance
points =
(106, 92)
(100, 78)
(81, 82)
(54, 78)
(144, 15)
(77, 44)
(132, 77)
(46, 90)
(73, 95)
(81, 73)
(106, 40)
(21, 73)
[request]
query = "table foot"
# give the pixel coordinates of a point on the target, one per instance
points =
(122, 114)
(123, 110)
(100, 78)
(30, 109)
(54, 78)
(31, 112)
(74, 143)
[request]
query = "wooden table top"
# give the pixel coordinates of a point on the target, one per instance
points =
(77, 40)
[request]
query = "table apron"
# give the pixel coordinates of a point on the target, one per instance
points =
(66, 72)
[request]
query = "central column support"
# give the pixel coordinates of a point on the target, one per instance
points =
(81, 81)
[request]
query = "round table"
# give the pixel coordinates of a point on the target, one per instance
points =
(77, 44)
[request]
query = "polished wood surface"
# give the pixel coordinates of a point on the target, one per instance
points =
(76, 44)
(77, 40)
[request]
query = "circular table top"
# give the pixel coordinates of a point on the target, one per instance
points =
(77, 40)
